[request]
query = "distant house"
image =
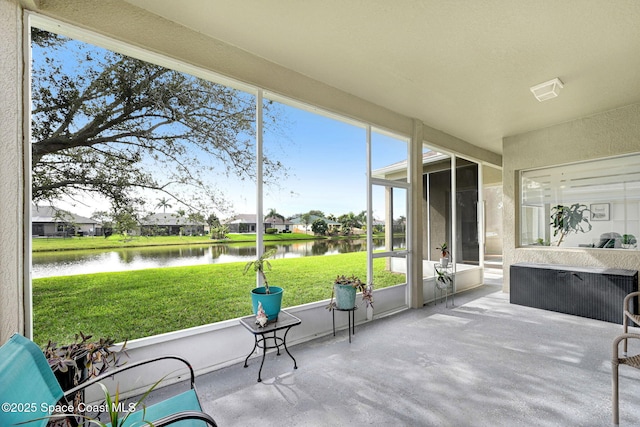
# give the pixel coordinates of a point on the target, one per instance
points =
(242, 223)
(247, 223)
(378, 224)
(170, 224)
(49, 221)
(283, 226)
(299, 225)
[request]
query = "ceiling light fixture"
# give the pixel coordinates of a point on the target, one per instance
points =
(547, 90)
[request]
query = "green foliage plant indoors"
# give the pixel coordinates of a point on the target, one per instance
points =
(629, 241)
(569, 219)
(444, 279)
(444, 250)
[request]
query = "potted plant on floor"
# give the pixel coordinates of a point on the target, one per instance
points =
(343, 295)
(444, 250)
(270, 297)
(83, 359)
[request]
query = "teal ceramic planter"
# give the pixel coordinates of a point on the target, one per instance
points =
(345, 296)
(271, 303)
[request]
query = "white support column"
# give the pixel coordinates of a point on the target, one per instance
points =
(454, 218)
(481, 218)
(369, 217)
(427, 215)
(259, 179)
(415, 220)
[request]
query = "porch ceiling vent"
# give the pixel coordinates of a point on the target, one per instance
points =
(547, 90)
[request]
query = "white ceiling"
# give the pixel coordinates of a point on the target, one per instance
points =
(460, 66)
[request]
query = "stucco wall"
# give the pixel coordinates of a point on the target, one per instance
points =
(11, 312)
(607, 134)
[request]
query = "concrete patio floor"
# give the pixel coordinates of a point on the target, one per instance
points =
(484, 362)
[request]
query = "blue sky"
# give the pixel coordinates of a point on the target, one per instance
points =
(325, 159)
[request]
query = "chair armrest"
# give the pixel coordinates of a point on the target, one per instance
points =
(617, 341)
(625, 303)
(126, 367)
(179, 416)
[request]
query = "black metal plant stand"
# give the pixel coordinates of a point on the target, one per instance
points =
(350, 315)
(266, 338)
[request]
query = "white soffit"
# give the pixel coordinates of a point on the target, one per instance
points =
(461, 67)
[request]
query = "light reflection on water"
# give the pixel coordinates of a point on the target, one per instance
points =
(70, 263)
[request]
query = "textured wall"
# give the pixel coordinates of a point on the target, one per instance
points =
(11, 266)
(606, 134)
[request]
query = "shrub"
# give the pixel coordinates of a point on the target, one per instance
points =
(271, 231)
(319, 227)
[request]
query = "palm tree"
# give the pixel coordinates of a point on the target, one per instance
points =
(349, 220)
(273, 214)
(306, 220)
(401, 223)
(362, 217)
(164, 204)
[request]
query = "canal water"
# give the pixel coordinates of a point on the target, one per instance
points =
(47, 264)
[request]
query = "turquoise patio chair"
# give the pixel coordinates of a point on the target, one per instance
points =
(28, 388)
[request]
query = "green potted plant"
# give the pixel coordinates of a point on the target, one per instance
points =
(569, 219)
(444, 250)
(343, 295)
(82, 359)
(629, 241)
(269, 296)
(444, 279)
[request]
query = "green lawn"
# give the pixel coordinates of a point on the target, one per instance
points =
(78, 243)
(134, 304)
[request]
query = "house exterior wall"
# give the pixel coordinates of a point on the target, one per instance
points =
(11, 171)
(607, 134)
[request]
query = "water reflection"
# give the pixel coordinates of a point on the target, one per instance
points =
(87, 262)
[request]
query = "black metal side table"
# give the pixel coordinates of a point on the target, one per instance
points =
(350, 315)
(261, 336)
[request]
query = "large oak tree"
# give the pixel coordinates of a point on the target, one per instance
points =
(112, 125)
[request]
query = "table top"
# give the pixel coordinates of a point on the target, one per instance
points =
(285, 320)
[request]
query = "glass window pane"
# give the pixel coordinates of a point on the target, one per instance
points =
(468, 249)
(591, 204)
(389, 271)
(389, 217)
(155, 157)
(388, 157)
(321, 199)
